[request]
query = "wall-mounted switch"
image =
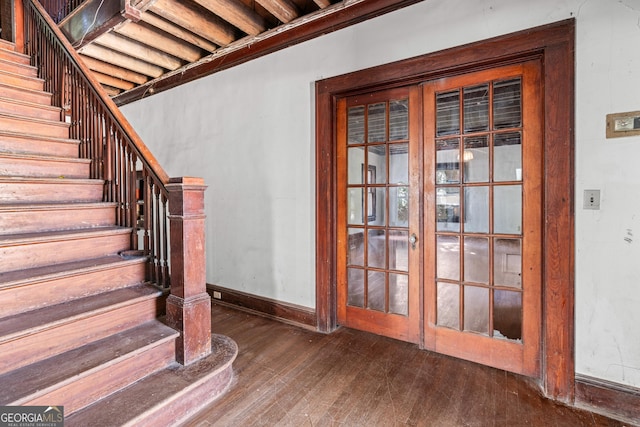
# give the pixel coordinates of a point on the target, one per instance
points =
(591, 199)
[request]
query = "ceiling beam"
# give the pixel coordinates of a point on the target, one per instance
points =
(212, 28)
(322, 3)
(112, 70)
(324, 21)
(237, 14)
(177, 31)
(284, 10)
(124, 61)
(165, 43)
(138, 50)
(111, 91)
(113, 81)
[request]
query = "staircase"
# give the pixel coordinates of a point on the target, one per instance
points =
(79, 327)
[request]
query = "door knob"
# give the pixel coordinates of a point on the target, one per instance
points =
(413, 239)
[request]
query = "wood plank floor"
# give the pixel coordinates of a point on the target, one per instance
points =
(287, 376)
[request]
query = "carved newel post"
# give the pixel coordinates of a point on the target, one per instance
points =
(189, 305)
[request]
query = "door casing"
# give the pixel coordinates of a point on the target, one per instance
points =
(551, 44)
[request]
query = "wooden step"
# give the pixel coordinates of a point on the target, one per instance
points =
(39, 190)
(167, 398)
(30, 289)
(13, 142)
(37, 335)
(22, 124)
(20, 80)
(11, 55)
(6, 44)
(23, 218)
(18, 68)
(29, 109)
(29, 95)
(22, 251)
(79, 377)
(28, 165)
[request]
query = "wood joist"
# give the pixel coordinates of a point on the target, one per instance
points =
(133, 43)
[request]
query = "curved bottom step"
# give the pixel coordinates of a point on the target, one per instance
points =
(167, 397)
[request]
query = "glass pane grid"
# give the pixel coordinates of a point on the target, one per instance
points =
(377, 207)
(478, 253)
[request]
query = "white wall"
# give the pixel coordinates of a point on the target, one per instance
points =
(249, 131)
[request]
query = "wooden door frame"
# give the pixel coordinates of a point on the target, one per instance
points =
(554, 46)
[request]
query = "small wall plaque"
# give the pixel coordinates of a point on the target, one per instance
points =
(623, 124)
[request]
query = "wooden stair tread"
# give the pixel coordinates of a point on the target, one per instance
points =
(35, 121)
(27, 323)
(22, 89)
(71, 181)
(18, 56)
(41, 377)
(44, 158)
(27, 67)
(36, 274)
(54, 206)
(21, 76)
(28, 103)
(7, 45)
(57, 235)
(167, 397)
(40, 137)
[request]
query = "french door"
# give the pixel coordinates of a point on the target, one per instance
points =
(378, 213)
(439, 218)
(482, 217)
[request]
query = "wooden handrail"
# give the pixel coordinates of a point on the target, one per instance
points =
(133, 177)
(171, 210)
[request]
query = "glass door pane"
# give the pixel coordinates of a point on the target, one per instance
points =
(378, 204)
(478, 209)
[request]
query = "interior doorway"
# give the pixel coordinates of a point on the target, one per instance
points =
(551, 44)
(473, 175)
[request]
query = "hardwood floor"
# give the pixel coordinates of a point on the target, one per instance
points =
(287, 376)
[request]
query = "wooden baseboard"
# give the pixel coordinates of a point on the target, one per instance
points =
(284, 312)
(608, 398)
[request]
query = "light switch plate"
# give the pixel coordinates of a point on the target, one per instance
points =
(591, 199)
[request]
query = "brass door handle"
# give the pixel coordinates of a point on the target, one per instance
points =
(413, 239)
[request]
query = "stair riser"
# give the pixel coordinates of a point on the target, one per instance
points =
(26, 95)
(14, 57)
(34, 254)
(23, 69)
(42, 146)
(54, 291)
(31, 221)
(33, 192)
(35, 168)
(50, 342)
(176, 410)
(29, 110)
(20, 81)
(18, 124)
(87, 390)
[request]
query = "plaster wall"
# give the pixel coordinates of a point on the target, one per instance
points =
(249, 131)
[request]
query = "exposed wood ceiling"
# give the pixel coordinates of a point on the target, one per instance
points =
(138, 47)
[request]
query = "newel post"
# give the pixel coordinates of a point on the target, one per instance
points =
(189, 305)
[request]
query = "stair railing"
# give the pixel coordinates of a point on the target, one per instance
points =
(132, 177)
(166, 215)
(59, 9)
